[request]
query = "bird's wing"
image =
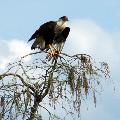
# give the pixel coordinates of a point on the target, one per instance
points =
(44, 30)
(35, 35)
(61, 38)
(65, 33)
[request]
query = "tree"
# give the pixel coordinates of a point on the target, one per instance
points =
(62, 79)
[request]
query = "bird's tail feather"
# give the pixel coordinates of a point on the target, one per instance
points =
(38, 43)
(33, 46)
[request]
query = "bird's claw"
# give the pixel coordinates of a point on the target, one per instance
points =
(54, 54)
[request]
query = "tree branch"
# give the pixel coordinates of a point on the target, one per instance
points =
(21, 78)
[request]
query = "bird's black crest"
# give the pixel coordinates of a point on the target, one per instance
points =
(65, 18)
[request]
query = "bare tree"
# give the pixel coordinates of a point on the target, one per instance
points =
(63, 79)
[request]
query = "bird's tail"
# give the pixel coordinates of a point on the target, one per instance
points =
(34, 45)
(38, 43)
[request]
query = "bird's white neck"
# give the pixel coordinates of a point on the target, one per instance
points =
(61, 23)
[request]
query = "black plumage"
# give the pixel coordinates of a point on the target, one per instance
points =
(47, 32)
(62, 36)
(60, 39)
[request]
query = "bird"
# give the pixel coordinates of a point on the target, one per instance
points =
(51, 35)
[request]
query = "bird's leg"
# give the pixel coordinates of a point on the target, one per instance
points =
(51, 53)
(58, 50)
(55, 52)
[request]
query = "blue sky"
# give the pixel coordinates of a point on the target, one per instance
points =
(19, 18)
(95, 29)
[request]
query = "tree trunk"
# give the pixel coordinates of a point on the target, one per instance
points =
(33, 110)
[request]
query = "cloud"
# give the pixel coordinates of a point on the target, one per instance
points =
(19, 48)
(11, 50)
(88, 37)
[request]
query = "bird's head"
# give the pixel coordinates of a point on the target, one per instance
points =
(62, 21)
(64, 18)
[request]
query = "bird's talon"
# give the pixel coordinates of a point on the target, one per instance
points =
(56, 53)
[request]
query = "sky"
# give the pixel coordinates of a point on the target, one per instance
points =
(95, 30)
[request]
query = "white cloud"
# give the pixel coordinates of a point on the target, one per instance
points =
(88, 37)
(19, 48)
(12, 49)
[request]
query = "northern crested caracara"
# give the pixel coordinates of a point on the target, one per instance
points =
(51, 35)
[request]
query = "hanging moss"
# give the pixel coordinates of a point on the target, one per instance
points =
(71, 78)
(85, 84)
